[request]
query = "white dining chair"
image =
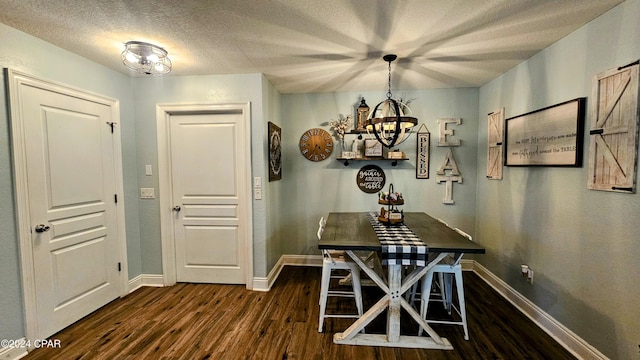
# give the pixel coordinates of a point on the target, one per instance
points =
(337, 260)
(448, 270)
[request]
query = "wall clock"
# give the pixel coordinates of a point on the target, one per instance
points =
(316, 144)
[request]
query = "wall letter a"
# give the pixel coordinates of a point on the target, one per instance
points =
(449, 163)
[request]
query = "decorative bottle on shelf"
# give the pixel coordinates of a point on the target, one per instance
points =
(355, 149)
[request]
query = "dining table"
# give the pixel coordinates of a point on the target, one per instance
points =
(418, 243)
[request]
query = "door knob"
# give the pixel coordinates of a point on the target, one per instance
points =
(176, 208)
(41, 228)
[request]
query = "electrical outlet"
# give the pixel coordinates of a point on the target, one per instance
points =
(530, 276)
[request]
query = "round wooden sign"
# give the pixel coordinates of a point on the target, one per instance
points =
(370, 179)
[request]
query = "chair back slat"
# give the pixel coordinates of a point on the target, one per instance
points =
(321, 225)
(325, 253)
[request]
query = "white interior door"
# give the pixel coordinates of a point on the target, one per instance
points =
(209, 182)
(71, 190)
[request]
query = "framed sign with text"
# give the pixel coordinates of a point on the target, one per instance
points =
(371, 179)
(372, 148)
(422, 153)
(551, 136)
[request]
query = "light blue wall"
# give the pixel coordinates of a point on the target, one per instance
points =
(582, 244)
(316, 188)
(148, 92)
(27, 54)
(11, 323)
(273, 191)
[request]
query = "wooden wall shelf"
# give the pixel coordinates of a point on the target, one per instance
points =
(394, 162)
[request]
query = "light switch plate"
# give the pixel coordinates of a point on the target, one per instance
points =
(148, 170)
(147, 193)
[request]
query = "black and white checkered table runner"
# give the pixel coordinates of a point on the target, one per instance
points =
(400, 246)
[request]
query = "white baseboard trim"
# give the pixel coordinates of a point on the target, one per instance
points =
(145, 280)
(565, 337)
(467, 265)
(302, 260)
(265, 284)
(261, 284)
(9, 353)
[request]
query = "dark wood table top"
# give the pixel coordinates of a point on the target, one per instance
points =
(353, 231)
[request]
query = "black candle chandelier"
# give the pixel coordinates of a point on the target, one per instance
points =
(391, 120)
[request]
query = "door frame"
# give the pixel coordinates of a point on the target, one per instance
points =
(165, 187)
(15, 80)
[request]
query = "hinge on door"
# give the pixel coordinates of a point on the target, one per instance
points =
(629, 65)
(119, 266)
(622, 188)
(115, 198)
(112, 124)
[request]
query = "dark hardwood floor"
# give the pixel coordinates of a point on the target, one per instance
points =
(199, 321)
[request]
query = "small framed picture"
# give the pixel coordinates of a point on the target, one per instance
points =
(275, 151)
(372, 147)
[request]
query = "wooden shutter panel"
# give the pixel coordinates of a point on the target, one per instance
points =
(614, 130)
(495, 129)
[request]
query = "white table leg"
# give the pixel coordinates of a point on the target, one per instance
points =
(373, 275)
(395, 297)
(393, 301)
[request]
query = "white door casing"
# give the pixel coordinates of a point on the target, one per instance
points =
(204, 169)
(68, 176)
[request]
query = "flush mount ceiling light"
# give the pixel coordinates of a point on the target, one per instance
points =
(390, 120)
(145, 58)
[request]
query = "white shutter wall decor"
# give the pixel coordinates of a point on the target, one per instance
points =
(613, 147)
(495, 130)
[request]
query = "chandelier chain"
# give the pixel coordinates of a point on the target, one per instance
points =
(389, 89)
(390, 121)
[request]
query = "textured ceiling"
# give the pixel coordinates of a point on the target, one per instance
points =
(314, 45)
